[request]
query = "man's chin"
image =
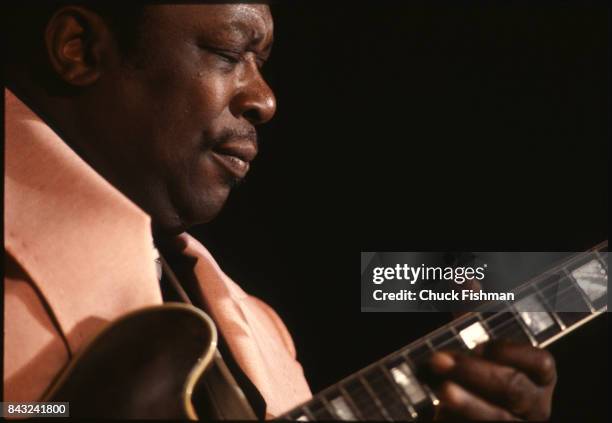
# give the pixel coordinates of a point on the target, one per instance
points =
(172, 224)
(206, 211)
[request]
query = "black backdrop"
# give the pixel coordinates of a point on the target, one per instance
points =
(422, 127)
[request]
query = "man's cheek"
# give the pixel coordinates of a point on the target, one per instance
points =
(214, 94)
(193, 189)
(206, 176)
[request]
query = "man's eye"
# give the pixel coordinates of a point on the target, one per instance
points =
(228, 57)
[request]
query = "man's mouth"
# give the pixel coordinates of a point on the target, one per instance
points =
(235, 155)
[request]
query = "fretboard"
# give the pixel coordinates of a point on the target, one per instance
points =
(391, 388)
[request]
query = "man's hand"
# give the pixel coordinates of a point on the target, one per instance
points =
(500, 381)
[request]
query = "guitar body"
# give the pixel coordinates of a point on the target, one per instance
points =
(156, 363)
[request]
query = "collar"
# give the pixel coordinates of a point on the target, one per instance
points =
(86, 247)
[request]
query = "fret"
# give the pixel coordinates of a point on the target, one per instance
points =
(385, 391)
(403, 376)
(562, 295)
(546, 290)
(419, 354)
(586, 318)
(363, 400)
(400, 392)
(507, 325)
(577, 292)
(592, 279)
(341, 409)
(570, 318)
(447, 340)
(481, 318)
(549, 288)
(552, 312)
(440, 339)
(372, 393)
(302, 414)
(432, 397)
(318, 409)
(540, 323)
(570, 297)
(466, 320)
(523, 326)
(472, 331)
(349, 401)
(418, 393)
(458, 343)
(531, 322)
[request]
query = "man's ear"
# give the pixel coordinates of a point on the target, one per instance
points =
(77, 42)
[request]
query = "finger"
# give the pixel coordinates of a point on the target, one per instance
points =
(502, 385)
(457, 402)
(538, 364)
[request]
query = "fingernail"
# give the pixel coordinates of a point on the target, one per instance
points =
(442, 362)
(455, 394)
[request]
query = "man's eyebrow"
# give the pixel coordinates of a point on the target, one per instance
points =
(252, 36)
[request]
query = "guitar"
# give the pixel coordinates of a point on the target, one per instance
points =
(167, 365)
(158, 362)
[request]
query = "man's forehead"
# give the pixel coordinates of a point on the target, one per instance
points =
(250, 21)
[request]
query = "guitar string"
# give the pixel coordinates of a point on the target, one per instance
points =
(561, 295)
(389, 391)
(370, 409)
(370, 406)
(492, 330)
(554, 284)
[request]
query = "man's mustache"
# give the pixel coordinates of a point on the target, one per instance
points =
(230, 134)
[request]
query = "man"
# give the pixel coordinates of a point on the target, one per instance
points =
(153, 113)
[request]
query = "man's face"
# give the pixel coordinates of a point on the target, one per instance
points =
(179, 117)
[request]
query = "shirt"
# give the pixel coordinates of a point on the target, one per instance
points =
(79, 255)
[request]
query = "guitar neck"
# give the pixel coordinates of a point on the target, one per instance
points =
(545, 309)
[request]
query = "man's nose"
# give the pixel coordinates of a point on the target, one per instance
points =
(255, 101)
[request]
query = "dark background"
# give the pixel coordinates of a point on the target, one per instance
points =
(422, 127)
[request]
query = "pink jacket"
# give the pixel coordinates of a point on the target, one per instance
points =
(79, 255)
